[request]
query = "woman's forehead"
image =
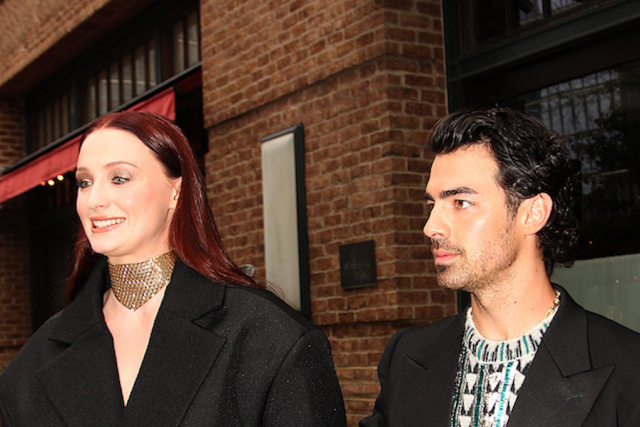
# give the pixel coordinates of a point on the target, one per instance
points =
(108, 145)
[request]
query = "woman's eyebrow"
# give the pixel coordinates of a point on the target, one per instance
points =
(118, 163)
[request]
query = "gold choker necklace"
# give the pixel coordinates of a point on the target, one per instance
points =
(136, 283)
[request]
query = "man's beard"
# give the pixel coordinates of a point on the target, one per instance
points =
(472, 273)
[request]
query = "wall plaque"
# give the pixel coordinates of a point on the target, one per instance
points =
(358, 265)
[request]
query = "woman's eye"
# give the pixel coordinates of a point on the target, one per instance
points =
(119, 180)
(83, 183)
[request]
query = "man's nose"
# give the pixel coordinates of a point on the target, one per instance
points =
(437, 227)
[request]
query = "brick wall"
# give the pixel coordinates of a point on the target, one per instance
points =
(366, 79)
(15, 320)
(45, 35)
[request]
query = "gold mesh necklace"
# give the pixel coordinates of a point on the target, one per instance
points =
(136, 283)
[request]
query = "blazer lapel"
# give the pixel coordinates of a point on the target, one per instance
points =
(180, 354)
(561, 386)
(428, 378)
(82, 380)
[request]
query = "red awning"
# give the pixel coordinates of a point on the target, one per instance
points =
(63, 158)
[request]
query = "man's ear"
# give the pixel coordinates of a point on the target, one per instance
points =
(535, 212)
(177, 185)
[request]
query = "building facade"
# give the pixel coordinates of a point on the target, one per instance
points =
(358, 85)
(365, 79)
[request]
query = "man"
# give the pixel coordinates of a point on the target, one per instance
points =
(524, 353)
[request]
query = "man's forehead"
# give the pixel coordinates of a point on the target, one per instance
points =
(471, 167)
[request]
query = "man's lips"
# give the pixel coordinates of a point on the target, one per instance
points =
(441, 256)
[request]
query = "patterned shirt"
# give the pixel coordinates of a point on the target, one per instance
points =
(490, 374)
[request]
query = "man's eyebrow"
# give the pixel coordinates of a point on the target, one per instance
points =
(445, 194)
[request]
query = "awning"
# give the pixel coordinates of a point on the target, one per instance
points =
(62, 159)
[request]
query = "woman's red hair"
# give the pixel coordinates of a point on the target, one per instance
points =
(193, 234)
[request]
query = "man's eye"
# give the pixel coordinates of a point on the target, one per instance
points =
(462, 204)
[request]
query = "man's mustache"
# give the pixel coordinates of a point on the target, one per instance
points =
(445, 245)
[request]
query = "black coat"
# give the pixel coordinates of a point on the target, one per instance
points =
(218, 356)
(585, 373)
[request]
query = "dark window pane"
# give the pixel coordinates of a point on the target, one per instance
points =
(152, 64)
(92, 102)
(193, 39)
(127, 78)
(114, 90)
(103, 106)
(66, 114)
(57, 131)
(141, 70)
(178, 47)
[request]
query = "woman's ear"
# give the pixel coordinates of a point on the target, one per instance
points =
(177, 185)
(535, 212)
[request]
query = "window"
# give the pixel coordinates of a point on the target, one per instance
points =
(52, 119)
(186, 42)
(122, 80)
(132, 62)
(599, 116)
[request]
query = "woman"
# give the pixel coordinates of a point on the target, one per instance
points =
(164, 329)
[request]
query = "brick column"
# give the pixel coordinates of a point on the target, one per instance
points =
(15, 320)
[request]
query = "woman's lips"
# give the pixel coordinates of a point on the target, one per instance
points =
(102, 225)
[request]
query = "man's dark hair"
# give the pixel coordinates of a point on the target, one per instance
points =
(531, 160)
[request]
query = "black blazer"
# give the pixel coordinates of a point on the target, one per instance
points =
(586, 373)
(218, 356)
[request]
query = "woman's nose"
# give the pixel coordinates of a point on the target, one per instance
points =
(97, 198)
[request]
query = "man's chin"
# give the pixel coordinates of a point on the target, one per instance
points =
(449, 283)
(440, 269)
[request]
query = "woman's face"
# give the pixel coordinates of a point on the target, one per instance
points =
(125, 200)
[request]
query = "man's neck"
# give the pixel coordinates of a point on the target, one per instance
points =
(510, 310)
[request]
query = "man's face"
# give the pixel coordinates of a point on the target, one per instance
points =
(473, 235)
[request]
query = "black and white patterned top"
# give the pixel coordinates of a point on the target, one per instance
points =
(490, 374)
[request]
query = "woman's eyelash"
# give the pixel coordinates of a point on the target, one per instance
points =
(82, 183)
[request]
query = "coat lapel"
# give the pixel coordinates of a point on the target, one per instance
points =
(561, 386)
(82, 380)
(180, 354)
(428, 378)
